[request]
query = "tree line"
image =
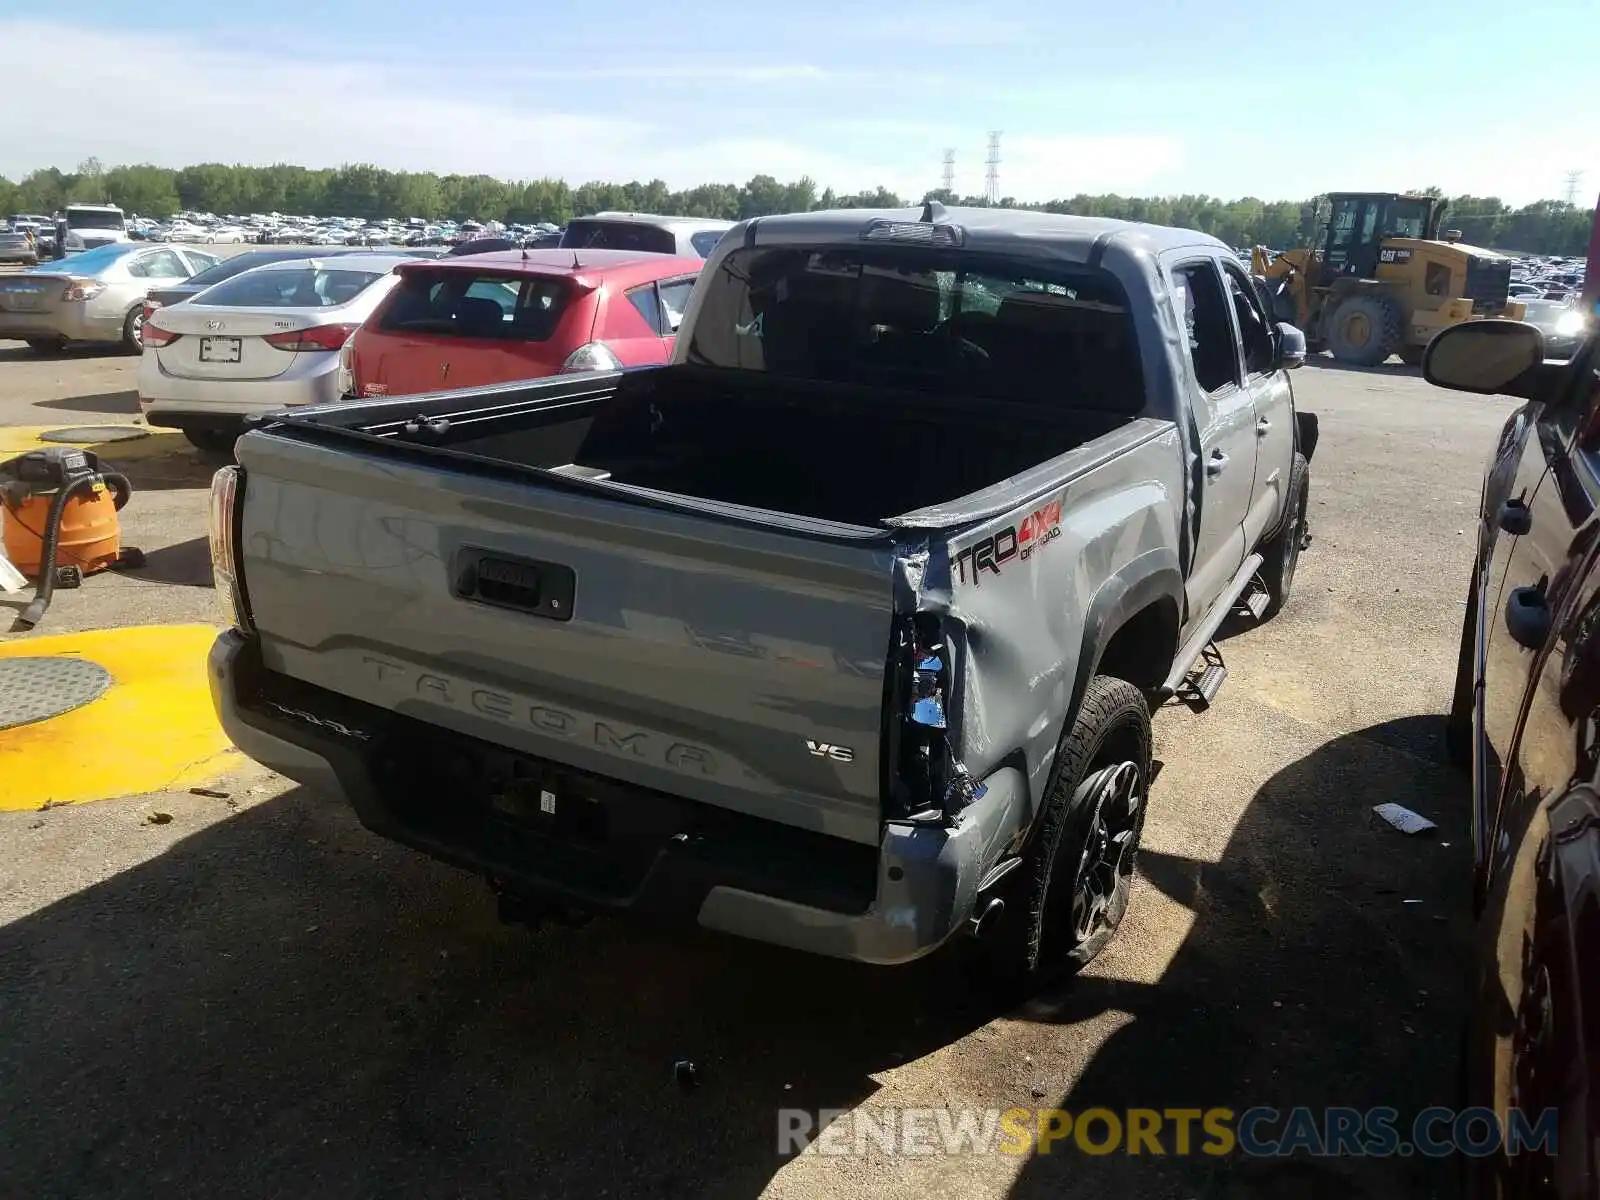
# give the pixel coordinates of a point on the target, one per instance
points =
(363, 190)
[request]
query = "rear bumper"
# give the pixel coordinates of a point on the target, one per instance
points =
(171, 400)
(659, 857)
(70, 321)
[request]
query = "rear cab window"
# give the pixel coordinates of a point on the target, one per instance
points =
(294, 287)
(588, 233)
(462, 303)
(935, 321)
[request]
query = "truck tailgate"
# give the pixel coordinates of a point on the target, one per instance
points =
(710, 659)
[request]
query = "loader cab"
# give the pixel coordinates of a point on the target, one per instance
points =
(1360, 221)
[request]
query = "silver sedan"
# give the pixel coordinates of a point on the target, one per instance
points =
(96, 296)
(264, 340)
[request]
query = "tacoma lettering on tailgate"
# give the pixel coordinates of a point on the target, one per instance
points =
(608, 736)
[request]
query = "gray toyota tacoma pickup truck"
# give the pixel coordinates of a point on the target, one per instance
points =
(841, 631)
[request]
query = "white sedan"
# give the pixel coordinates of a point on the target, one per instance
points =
(265, 340)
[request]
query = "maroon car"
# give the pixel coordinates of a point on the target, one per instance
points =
(1526, 722)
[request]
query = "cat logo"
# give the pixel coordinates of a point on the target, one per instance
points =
(828, 750)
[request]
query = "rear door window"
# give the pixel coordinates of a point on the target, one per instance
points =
(648, 305)
(674, 300)
(1202, 307)
(475, 305)
(929, 321)
(163, 264)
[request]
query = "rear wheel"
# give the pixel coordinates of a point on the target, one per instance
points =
(1365, 330)
(211, 439)
(133, 329)
(1071, 892)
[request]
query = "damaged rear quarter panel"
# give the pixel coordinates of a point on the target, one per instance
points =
(1014, 592)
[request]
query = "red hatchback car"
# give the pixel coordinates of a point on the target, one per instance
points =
(500, 317)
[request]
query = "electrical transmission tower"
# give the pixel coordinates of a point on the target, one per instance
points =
(991, 178)
(1574, 180)
(949, 176)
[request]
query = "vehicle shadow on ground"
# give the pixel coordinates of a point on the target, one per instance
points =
(283, 1005)
(20, 353)
(187, 564)
(178, 467)
(1306, 979)
(1393, 366)
(284, 989)
(103, 402)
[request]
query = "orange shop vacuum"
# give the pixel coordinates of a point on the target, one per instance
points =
(60, 520)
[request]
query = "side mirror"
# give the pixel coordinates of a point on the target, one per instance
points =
(1489, 358)
(1291, 346)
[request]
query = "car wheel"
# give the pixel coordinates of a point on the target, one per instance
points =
(1458, 725)
(1071, 892)
(211, 439)
(1280, 549)
(133, 329)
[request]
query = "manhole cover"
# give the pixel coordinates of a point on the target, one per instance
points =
(36, 689)
(84, 435)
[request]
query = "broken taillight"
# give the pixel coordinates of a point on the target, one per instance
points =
(927, 783)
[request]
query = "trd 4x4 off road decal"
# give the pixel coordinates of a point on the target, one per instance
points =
(1020, 541)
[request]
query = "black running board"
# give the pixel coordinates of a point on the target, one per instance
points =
(1194, 646)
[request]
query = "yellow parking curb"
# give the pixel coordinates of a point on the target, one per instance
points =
(18, 439)
(154, 727)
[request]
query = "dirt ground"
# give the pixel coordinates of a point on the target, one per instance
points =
(258, 998)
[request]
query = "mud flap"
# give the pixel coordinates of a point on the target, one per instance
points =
(1305, 433)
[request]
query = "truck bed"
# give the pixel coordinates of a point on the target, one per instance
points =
(784, 446)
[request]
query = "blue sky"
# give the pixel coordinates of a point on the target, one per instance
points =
(1140, 97)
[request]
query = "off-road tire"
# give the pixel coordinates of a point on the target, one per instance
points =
(1458, 725)
(211, 439)
(1037, 941)
(1280, 549)
(1378, 317)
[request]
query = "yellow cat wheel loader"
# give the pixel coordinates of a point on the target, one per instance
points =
(1383, 281)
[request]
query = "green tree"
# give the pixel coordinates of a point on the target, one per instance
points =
(142, 189)
(365, 190)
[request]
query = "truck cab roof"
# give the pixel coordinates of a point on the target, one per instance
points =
(1008, 231)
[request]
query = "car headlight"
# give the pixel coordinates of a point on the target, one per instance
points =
(1570, 324)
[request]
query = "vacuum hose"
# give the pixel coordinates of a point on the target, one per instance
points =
(118, 483)
(35, 611)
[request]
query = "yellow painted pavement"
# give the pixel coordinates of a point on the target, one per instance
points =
(18, 439)
(153, 729)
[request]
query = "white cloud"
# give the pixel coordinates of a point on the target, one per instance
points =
(173, 99)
